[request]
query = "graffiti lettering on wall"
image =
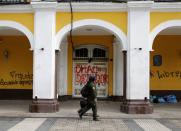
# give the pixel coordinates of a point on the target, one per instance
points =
(165, 74)
(17, 78)
(83, 71)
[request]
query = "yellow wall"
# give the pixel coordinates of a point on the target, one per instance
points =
(16, 68)
(119, 19)
(157, 18)
(26, 19)
(100, 40)
(168, 75)
(63, 18)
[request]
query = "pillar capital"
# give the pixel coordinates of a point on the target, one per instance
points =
(41, 5)
(139, 4)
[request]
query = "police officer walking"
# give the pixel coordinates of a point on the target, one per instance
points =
(91, 99)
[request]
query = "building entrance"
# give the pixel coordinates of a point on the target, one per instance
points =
(90, 60)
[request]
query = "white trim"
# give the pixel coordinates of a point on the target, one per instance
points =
(166, 7)
(21, 28)
(61, 70)
(119, 7)
(92, 7)
(117, 70)
(160, 27)
(16, 9)
(114, 68)
(93, 22)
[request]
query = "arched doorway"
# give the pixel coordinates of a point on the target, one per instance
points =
(16, 63)
(90, 36)
(90, 60)
(165, 60)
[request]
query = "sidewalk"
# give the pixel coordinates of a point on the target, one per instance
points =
(68, 109)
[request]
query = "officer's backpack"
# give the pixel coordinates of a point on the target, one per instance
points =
(84, 91)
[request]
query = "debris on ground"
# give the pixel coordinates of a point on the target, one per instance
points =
(164, 99)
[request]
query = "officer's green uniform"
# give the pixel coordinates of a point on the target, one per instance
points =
(91, 100)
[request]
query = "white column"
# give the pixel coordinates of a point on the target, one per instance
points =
(138, 50)
(117, 69)
(44, 52)
(62, 69)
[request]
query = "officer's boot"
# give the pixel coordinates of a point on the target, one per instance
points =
(95, 119)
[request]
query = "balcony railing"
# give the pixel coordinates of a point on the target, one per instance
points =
(10, 2)
(119, 1)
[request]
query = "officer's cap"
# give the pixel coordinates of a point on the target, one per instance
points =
(92, 78)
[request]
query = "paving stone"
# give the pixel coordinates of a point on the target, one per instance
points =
(47, 124)
(6, 123)
(28, 124)
(87, 124)
(64, 124)
(177, 123)
(151, 125)
(170, 124)
(132, 125)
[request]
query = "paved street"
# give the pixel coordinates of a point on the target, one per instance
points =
(14, 116)
(74, 124)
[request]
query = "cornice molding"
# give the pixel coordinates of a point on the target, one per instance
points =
(93, 7)
(139, 4)
(166, 7)
(16, 8)
(44, 5)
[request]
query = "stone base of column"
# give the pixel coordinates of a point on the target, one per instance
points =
(44, 106)
(136, 107)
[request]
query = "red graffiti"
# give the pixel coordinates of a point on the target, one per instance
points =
(86, 69)
(89, 69)
(82, 72)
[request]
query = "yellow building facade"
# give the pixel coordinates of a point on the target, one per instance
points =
(48, 52)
